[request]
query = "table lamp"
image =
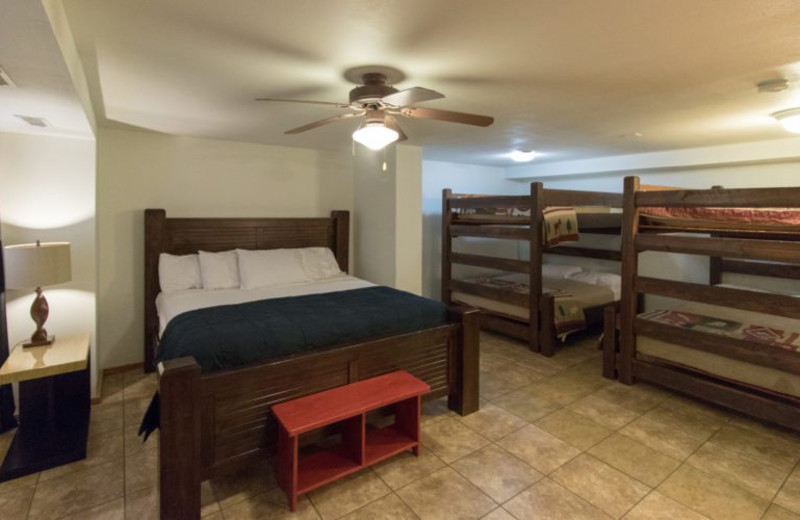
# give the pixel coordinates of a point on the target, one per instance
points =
(37, 265)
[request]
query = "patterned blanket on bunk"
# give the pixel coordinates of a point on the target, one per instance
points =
(568, 316)
(785, 339)
(559, 224)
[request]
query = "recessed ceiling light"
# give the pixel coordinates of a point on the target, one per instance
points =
(789, 119)
(34, 121)
(523, 155)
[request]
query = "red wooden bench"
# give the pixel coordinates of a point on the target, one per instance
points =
(360, 446)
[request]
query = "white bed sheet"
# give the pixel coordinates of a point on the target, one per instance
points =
(172, 304)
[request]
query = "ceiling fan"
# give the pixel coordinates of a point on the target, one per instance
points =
(380, 104)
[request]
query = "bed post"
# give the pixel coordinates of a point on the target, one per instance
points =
(447, 245)
(535, 249)
(630, 261)
(155, 221)
(610, 342)
(465, 399)
(179, 440)
(341, 230)
(547, 307)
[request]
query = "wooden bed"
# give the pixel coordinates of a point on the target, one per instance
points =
(538, 329)
(733, 247)
(218, 422)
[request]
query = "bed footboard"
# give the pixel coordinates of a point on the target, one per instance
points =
(463, 397)
(215, 423)
(179, 442)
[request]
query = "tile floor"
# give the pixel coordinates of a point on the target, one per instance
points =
(553, 440)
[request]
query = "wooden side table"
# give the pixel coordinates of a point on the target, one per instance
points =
(54, 388)
(345, 408)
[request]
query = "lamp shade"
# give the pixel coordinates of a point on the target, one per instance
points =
(37, 265)
(375, 135)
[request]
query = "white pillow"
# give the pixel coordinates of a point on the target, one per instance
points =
(559, 271)
(270, 267)
(177, 273)
(597, 278)
(219, 270)
(319, 263)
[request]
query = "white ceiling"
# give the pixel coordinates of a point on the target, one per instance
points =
(31, 57)
(569, 78)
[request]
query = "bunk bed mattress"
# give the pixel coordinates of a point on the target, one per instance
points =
(589, 217)
(725, 367)
(775, 219)
(588, 295)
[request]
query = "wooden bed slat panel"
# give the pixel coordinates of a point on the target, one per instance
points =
(750, 352)
(791, 272)
(572, 198)
(489, 201)
(750, 249)
(491, 262)
(766, 303)
(784, 411)
(504, 232)
(732, 198)
(584, 252)
(494, 293)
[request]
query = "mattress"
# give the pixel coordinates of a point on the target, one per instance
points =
(721, 366)
(774, 219)
(589, 295)
(169, 305)
(588, 216)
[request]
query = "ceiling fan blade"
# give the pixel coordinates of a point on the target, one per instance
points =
(447, 115)
(340, 105)
(391, 122)
(323, 122)
(411, 96)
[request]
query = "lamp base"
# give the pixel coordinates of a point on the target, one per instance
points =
(39, 343)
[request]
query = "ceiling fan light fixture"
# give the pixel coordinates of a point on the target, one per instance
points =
(789, 119)
(523, 155)
(375, 136)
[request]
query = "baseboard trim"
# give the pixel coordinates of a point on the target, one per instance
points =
(97, 397)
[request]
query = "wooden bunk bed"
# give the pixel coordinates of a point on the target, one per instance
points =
(728, 345)
(461, 218)
(213, 423)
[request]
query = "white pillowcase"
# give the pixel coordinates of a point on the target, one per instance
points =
(597, 278)
(219, 270)
(178, 272)
(268, 267)
(560, 271)
(319, 263)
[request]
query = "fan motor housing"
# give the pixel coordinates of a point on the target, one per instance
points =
(370, 93)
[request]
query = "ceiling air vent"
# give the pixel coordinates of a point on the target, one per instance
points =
(35, 121)
(5, 79)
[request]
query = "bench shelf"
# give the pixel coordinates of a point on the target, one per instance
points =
(345, 408)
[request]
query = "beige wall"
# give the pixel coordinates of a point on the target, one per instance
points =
(388, 216)
(47, 193)
(191, 177)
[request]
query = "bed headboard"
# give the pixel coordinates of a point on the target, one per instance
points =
(181, 236)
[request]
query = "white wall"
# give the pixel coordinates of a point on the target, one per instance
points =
(191, 177)
(460, 178)
(388, 228)
(47, 192)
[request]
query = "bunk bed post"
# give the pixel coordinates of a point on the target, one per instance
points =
(447, 246)
(535, 249)
(630, 261)
(610, 342)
